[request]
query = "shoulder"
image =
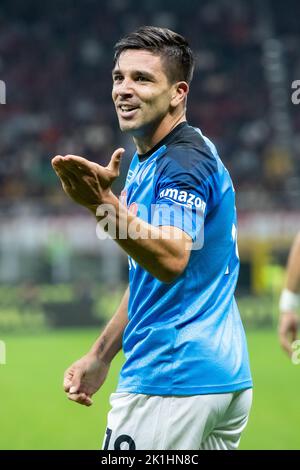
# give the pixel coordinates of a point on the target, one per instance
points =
(193, 157)
(191, 162)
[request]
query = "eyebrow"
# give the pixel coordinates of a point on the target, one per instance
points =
(135, 72)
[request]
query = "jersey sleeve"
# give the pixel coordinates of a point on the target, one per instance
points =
(181, 195)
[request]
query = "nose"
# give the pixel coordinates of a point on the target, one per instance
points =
(124, 89)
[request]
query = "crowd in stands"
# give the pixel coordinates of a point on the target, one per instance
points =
(56, 60)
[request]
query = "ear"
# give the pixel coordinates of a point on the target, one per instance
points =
(179, 93)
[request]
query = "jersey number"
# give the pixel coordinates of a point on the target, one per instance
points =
(119, 441)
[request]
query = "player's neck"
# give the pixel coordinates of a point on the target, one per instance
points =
(144, 143)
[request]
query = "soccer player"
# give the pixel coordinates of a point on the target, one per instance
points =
(186, 382)
(290, 300)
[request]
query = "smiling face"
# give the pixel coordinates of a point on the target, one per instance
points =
(141, 92)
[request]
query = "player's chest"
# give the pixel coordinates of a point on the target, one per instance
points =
(139, 189)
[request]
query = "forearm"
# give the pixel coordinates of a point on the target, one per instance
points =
(109, 342)
(293, 268)
(162, 251)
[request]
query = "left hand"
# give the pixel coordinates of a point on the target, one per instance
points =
(87, 183)
(83, 378)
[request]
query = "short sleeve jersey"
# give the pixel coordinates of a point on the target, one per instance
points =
(185, 337)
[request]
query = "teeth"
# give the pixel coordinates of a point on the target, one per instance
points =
(127, 108)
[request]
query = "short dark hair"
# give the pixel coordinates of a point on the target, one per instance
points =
(172, 47)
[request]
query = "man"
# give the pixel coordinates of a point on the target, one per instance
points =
(290, 300)
(186, 382)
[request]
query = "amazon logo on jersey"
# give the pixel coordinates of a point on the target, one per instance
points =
(183, 197)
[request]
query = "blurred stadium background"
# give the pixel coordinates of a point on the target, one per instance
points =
(58, 283)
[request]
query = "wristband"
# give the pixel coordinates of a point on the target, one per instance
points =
(288, 301)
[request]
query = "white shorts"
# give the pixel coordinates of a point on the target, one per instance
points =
(197, 422)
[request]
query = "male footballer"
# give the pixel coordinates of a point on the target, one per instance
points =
(186, 382)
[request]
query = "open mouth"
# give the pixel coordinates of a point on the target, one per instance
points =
(127, 111)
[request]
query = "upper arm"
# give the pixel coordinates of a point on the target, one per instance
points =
(181, 192)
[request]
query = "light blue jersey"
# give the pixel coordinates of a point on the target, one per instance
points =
(185, 337)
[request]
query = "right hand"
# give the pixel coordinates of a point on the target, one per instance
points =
(83, 378)
(84, 181)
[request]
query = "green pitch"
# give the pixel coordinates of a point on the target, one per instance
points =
(34, 413)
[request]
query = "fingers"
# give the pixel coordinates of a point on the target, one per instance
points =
(70, 165)
(67, 183)
(72, 383)
(80, 176)
(81, 398)
(76, 381)
(115, 161)
(78, 165)
(63, 167)
(60, 160)
(56, 161)
(79, 161)
(61, 170)
(72, 379)
(72, 170)
(67, 176)
(68, 380)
